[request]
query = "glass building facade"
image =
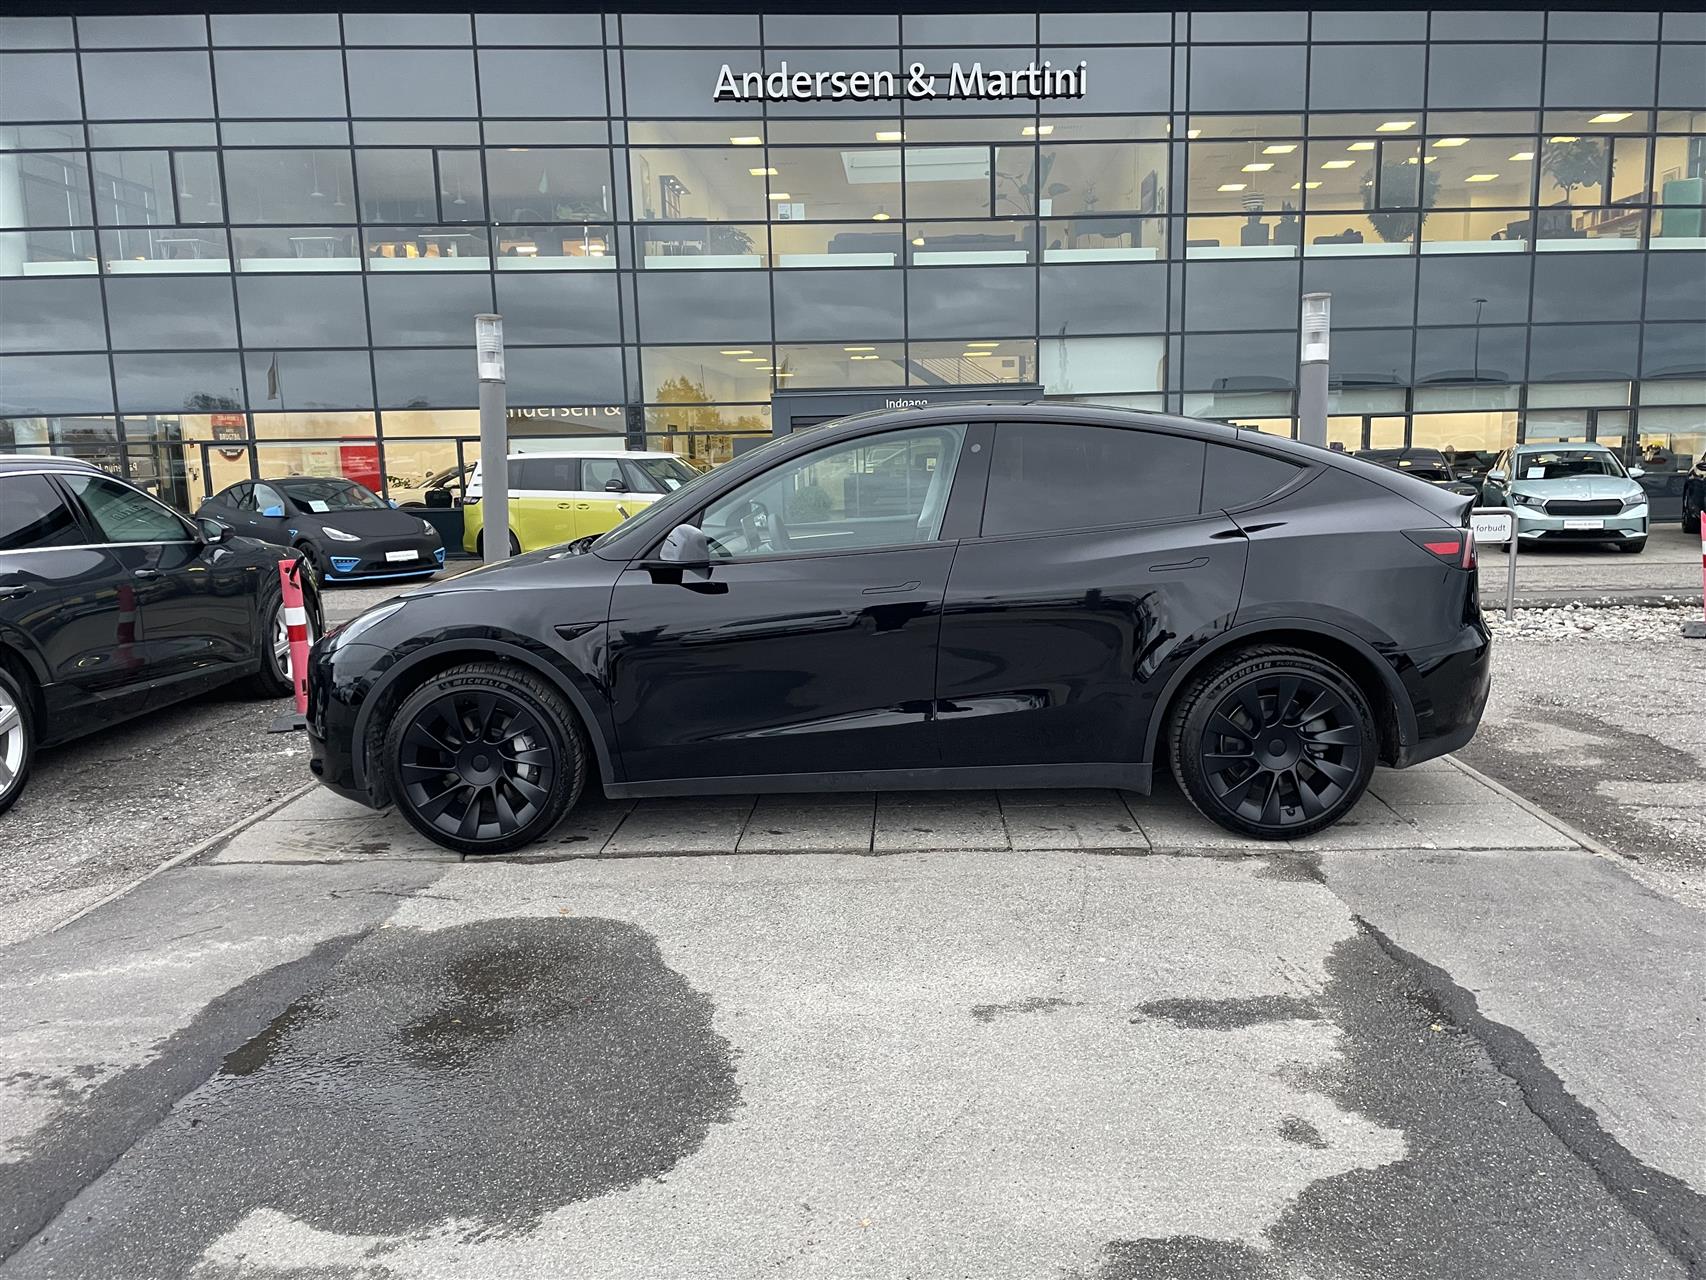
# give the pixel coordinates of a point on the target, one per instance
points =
(236, 244)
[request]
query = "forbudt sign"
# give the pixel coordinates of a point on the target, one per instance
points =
(959, 82)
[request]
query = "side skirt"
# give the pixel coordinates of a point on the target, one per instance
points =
(1124, 777)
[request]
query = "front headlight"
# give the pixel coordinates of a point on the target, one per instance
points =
(353, 629)
(1526, 500)
(426, 527)
(1636, 503)
(338, 535)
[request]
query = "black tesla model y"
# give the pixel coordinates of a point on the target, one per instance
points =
(985, 596)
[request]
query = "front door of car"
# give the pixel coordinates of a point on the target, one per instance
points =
(598, 507)
(809, 644)
(1094, 574)
(196, 603)
(271, 517)
(66, 600)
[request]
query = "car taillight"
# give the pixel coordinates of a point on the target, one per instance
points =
(1455, 547)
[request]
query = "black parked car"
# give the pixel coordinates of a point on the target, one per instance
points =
(1694, 495)
(1424, 464)
(1042, 595)
(112, 604)
(346, 531)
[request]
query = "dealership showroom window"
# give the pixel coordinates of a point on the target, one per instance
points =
(243, 244)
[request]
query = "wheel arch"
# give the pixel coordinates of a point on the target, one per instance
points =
(1394, 715)
(19, 665)
(420, 666)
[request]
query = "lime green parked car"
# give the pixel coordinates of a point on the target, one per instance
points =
(558, 497)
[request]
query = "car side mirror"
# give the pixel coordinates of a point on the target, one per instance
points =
(1496, 476)
(1635, 473)
(615, 486)
(212, 531)
(272, 512)
(686, 547)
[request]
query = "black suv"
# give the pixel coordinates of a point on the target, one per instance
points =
(990, 596)
(112, 605)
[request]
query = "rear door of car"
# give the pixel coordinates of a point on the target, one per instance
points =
(543, 490)
(67, 605)
(1095, 571)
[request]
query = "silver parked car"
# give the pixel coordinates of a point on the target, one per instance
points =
(1570, 493)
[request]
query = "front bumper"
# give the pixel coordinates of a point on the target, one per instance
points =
(1534, 525)
(375, 562)
(339, 679)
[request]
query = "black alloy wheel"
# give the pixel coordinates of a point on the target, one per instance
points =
(484, 758)
(1276, 744)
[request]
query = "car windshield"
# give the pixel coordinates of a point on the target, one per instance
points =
(666, 474)
(669, 510)
(330, 495)
(1561, 464)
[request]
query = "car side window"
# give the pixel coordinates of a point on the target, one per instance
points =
(551, 475)
(33, 515)
(264, 496)
(1047, 477)
(123, 514)
(887, 490)
(241, 496)
(1236, 477)
(598, 472)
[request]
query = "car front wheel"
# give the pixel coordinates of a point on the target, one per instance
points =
(17, 738)
(484, 758)
(1274, 743)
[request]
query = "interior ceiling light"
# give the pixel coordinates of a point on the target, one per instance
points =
(1034, 131)
(1233, 186)
(748, 140)
(919, 241)
(1337, 164)
(738, 351)
(1360, 146)
(1305, 186)
(1193, 134)
(891, 135)
(1279, 148)
(1258, 166)
(1481, 177)
(879, 216)
(983, 344)
(763, 173)
(1564, 137)
(1450, 142)
(780, 195)
(858, 348)
(1610, 117)
(753, 359)
(1394, 126)
(1423, 160)
(974, 355)
(1523, 155)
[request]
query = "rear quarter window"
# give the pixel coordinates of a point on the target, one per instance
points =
(1236, 477)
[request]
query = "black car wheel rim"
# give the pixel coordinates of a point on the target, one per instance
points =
(1282, 750)
(477, 765)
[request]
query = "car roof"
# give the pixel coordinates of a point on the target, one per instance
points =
(43, 462)
(1564, 444)
(592, 453)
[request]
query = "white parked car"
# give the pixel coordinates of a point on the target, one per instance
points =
(1570, 493)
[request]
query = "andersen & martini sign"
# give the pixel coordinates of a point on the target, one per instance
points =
(960, 81)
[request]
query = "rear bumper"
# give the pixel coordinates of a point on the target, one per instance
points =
(1448, 688)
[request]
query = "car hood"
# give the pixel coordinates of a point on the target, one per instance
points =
(378, 522)
(1578, 487)
(551, 567)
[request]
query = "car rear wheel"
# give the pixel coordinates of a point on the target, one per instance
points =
(1274, 743)
(484, 758)
(17, 738)
(480, 545)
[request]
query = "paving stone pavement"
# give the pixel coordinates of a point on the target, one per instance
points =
(1437, 805)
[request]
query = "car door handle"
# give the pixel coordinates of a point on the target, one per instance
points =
(145, 573)
(565, 506)
(1198, 563)
(13, 593)
(899, 586)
